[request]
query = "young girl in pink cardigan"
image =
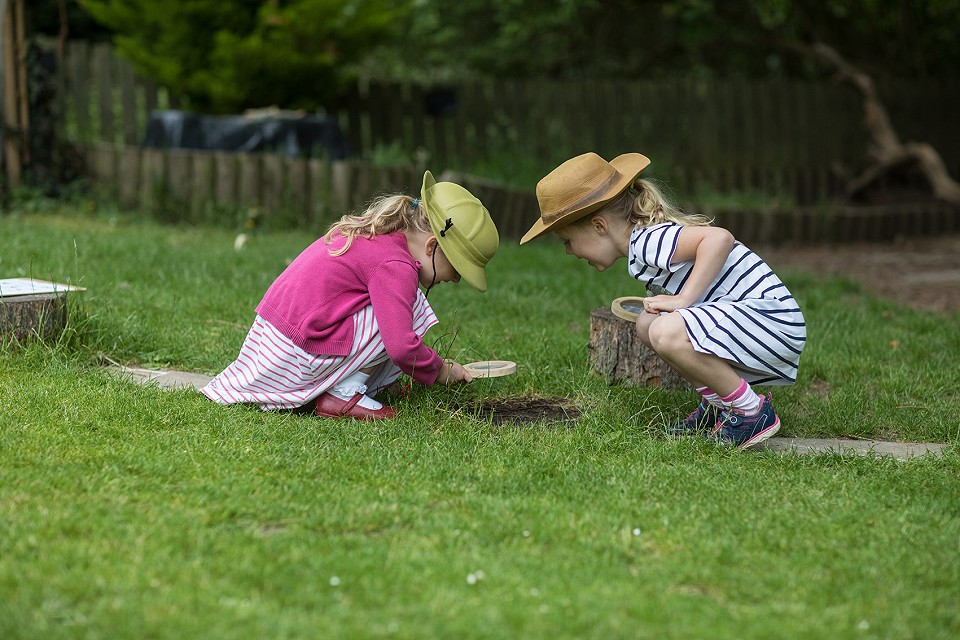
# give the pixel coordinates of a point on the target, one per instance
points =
(347, 316)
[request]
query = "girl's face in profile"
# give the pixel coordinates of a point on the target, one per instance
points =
(591, 242)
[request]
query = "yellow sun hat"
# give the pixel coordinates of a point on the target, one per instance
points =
(463, 227)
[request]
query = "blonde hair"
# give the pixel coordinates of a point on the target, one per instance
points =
(643, 203)
(384, 214)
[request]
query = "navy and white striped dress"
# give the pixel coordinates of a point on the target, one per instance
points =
(746, 316)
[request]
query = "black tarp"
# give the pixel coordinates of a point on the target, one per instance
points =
(306, 136)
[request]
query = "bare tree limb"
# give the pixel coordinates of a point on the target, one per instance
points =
(887, 151)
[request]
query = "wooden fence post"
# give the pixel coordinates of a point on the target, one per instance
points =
(16, 115)
(105, 171)
(103, 64)
(272, 176)
(180, 176)
(251, 191)
(202, 196)
(154, 188)
(321, 192)
(128, 176)
(225, 194)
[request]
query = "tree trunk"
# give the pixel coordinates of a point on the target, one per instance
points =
(24, 318)
(617, 353)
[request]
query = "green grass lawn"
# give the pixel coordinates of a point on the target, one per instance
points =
(132, 512)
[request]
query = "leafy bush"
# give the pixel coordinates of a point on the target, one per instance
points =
(227, 56)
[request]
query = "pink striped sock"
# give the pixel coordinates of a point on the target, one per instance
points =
(743, 399)
(710, 396)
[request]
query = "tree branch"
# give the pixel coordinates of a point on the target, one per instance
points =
(887, 151)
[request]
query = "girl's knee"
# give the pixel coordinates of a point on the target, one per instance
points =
(643, 327)
(665, 333)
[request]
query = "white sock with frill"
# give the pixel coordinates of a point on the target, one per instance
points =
(351, 386)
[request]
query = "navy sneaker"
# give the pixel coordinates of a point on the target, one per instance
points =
(742, 431)
(702, 420)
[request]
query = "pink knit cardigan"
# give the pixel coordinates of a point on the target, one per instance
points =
(313, 300)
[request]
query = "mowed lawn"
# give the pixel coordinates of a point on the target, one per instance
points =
(131, 512)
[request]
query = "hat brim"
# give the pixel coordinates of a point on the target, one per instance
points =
(475, 276)
(629, 165)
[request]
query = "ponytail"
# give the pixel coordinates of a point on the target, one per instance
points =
(643, 203)
(384, 214)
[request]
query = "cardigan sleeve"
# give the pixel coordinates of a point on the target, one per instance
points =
(393, 289)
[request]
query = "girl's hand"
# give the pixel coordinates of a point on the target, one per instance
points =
(453, 373)
(663, 303)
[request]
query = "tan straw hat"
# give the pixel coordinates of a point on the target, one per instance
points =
(580, 186)
(463, 227)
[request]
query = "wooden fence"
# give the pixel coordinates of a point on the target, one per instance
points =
(204, 187)
(787, 138)
(705, 136)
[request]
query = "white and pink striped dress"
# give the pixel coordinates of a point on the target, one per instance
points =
(274, 373)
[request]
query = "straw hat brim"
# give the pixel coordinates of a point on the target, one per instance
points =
(629, 165)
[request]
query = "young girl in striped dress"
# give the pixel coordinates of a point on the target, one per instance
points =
(715, 311)
(347, 316)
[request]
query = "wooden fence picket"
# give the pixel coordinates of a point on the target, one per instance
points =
(129, 111)
(251, 188)
(227, 180)
(202, 193)
(179, 181)
(77, 64)
(128, 177)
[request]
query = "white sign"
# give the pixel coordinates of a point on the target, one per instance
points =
(11, 287)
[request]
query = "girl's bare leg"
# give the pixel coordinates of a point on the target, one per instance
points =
(667, 335)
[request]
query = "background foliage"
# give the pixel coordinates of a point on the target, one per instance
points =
(296, 53)
(249, 53)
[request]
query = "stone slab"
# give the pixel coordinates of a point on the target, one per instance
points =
(898, 450)
(166, 379)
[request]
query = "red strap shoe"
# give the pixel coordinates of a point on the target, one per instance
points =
(330, 406)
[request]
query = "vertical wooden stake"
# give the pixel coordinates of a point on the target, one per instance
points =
(15, 99)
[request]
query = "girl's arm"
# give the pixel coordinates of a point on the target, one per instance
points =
(392, 294)
(708, 247)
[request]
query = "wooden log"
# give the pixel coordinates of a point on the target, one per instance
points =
(25, 318)
(617, 353)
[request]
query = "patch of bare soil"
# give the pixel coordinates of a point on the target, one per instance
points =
(921, 273)
(527, 410)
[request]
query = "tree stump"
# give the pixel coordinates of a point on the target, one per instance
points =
(24, 318)
(617, 353)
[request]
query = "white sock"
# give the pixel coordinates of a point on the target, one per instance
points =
(351, 386)
(743, 399)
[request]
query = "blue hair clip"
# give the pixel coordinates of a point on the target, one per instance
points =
(414, 203)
